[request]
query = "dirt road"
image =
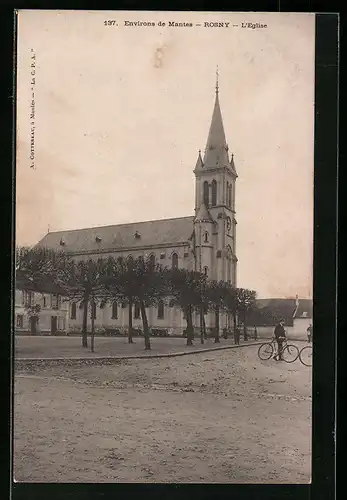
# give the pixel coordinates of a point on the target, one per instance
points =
(222, 416)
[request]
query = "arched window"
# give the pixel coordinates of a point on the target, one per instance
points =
(230, 195)
(73, 310)
(152, 261)
(160, 309)
(114, 310)
(227, 195)
(174, 261)
(206, 237)
(214, 193)
(206, 271)
(206, 194)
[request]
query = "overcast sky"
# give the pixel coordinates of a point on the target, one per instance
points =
(121, 112)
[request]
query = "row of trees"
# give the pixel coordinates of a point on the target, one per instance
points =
(98, 282)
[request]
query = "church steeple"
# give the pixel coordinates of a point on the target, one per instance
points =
(214, 222)
(216, 151)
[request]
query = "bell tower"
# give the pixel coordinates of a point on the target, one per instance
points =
(215, 175)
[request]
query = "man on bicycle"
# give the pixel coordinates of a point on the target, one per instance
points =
(280, 336)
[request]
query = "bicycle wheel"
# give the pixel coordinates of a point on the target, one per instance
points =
(290, 353)
(305, 355)
(265, 351)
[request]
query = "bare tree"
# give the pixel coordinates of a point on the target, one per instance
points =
(82, 282)
(185, 288)
(136, 281)
(38, 265)
(245, 302)
(119, 284)
(217, 293)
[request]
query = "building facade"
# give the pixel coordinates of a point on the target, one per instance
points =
(205, 241)
(51, 315)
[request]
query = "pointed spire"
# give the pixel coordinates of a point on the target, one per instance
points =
(199, 164)
(216, 151)
(232, 165)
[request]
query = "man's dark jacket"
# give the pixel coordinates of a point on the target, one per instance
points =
(279, 332)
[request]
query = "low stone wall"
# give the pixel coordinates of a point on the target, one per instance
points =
(263, 332)
(41, 333)
(267, 332)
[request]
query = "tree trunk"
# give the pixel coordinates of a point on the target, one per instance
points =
(130, 330)
(234, 321)
(202, 336)
(92, 335)
(216, 333)
(85, 321)
(236, 333)
(189, 325)
(245, 334)
(204, 327)
(226, 329)
(145, 326)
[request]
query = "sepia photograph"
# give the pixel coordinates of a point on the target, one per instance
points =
(163, 290)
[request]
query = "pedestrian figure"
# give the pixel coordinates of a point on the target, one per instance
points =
(309, 333)
(236, 336)
(280, 336)
(245, 333)
(255, 333)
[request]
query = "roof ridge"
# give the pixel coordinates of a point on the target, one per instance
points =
(277, 298)
(118, 225)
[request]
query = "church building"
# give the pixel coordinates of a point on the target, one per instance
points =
(204, 241)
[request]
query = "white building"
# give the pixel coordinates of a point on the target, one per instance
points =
(52, 317)
(205, 241)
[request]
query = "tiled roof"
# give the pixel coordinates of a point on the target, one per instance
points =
(130, 236)
(287, 307)
(304, 309)
(203, 214)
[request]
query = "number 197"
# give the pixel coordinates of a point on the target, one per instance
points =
(109, 23)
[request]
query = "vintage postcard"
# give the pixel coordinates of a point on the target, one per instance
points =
(164, 241)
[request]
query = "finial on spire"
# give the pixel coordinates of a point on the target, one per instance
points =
(217, 82)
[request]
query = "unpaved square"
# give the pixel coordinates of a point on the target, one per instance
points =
(222, 416)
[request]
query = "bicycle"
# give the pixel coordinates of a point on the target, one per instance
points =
(305, 355)
(268, 350)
